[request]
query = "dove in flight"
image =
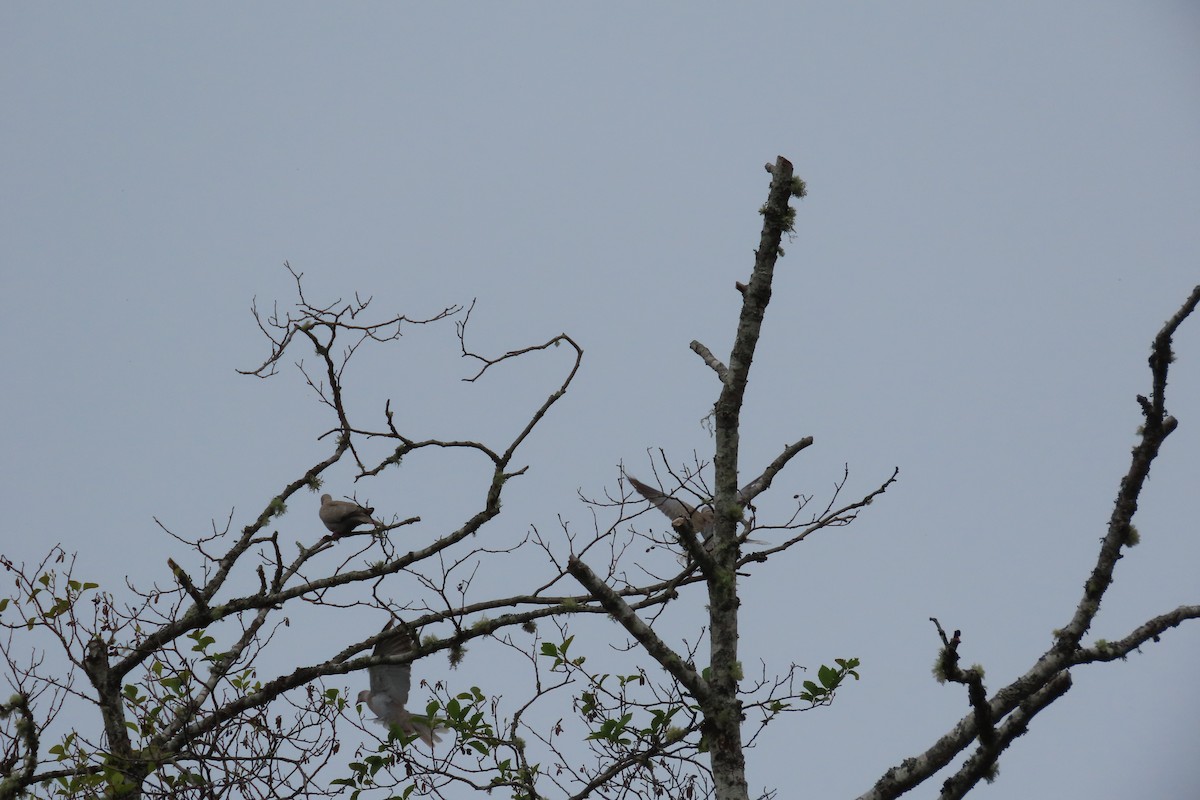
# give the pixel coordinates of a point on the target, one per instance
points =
(703, 520)
(390, 684)
(340, 516)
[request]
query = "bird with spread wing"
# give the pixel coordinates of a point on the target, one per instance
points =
(702, 519)
(390, 684)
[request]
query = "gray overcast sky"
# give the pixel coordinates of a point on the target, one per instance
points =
(1003, 208)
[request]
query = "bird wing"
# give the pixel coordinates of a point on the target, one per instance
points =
(392, 681)
(340, 516)
(672, 507)
(703, 522)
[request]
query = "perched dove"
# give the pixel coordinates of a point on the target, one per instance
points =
(703, 520)
(342, 517)
(390, 684)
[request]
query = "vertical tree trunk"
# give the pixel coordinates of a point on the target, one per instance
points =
(723, 712)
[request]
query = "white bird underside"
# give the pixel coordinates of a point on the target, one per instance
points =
(390, 684)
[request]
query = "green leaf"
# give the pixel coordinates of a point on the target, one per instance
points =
(60, 606)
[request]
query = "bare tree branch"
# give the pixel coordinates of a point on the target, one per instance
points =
(622, 613)
(1048, 679)
(163, 685)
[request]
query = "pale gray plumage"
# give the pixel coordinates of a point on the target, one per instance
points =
(390, 684)
(703, 520)
(342, 517)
